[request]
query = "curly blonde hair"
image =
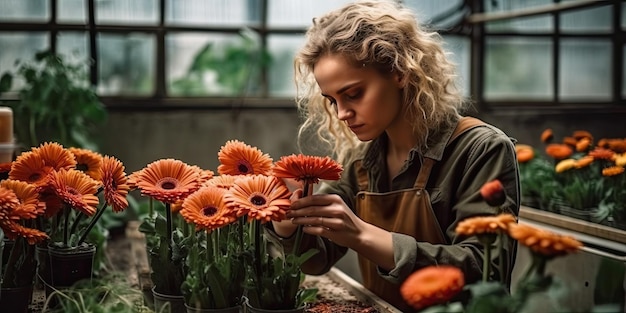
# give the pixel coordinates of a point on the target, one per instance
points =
(386, 36)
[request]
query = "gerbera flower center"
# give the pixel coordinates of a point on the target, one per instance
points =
(72, 191)
(209, 211)
(34, 177)
(258, 200)
(168, 183)
(82, 167)
(244, 166)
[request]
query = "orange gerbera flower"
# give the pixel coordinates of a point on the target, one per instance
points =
(114, 181)
(238, 158)
(580, 134)
(5, 168)
(525, 153)
(55, 156)
(28, 196)
(583, 144)
(602, 154)
(223, 181)
(432, 285)
(612, 171)
(76, 189)
(261, 197)
(203, 175)
(570, 141)
(206, 209)
(167, 180)
(485, 224)
(559, 151)
(306, 168)
(547, 135)
(542, 241)
(88, 162)
(10, 215)
(30, 167)
(584, 161)
(617, 145)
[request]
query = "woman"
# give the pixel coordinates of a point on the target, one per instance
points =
(380, 91)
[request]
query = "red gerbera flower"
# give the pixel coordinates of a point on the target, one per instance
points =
(238, 158)
(309, 169)
(5, 168)
(76, 189)
(261, 197)
(88, 162)
(114, 181)
(167, 180)
(432, 285)
(206, 209)
(493, 193)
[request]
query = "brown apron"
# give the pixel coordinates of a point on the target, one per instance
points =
(406, 211)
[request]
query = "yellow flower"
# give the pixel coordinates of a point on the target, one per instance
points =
(565, 165)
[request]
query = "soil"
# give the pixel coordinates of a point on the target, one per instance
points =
(121, 256)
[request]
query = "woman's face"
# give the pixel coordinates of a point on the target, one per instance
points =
(366, 100)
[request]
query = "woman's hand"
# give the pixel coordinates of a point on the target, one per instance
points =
(328, 216)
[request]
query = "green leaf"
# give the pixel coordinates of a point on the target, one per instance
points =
(454, 307)
(6, 81)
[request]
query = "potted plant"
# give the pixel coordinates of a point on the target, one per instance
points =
(19, 207)
(55, 103)
(74, 187)
(224, 238)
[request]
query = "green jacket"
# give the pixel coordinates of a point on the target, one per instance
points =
(481, 154)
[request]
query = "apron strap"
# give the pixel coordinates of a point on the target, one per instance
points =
(465, 123)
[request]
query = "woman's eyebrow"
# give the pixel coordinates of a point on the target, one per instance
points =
(344, 88)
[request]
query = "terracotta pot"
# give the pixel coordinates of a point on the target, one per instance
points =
(16, 300)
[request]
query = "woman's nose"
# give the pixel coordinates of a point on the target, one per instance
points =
(344, 112)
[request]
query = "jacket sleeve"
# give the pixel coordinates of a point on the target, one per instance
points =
(479, 157)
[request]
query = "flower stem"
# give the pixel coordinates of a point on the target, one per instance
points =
(486, 264)
(501, 256)
(66, 224)
(168, 222)
(299, 232)
(93, 222)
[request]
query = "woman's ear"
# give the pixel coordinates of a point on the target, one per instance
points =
(399, 79)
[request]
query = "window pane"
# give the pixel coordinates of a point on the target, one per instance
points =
(623, 15)
(585, 69)
(73, 45)
(127, 12)
(426, 10)
(283, 49)
(213, 64)
(126, 64)
(72, 11)
(598, 19)
(24, 10)
(213, 12)
(460, 49)
(299, 13)
(518, 68)
(539, 23)
(20, 46)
